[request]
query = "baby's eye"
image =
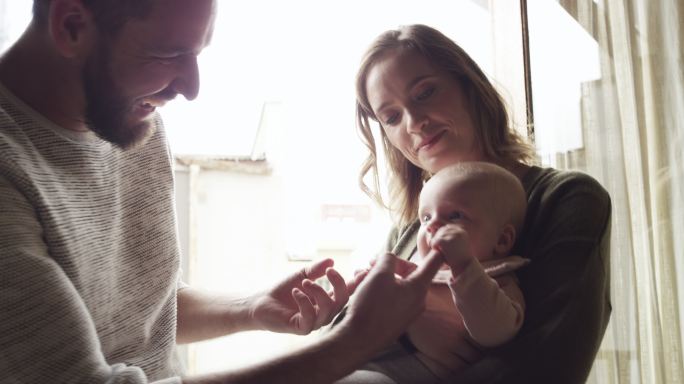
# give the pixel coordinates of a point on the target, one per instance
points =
(424, 219)
(456, 216)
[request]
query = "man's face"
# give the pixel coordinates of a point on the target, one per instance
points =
(144, 65)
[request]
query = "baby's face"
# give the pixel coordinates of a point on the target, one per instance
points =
(452, 201)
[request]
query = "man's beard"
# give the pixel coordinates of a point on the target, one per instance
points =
(106, 106)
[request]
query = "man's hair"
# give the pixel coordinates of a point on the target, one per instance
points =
(500, 142)
(110, 15)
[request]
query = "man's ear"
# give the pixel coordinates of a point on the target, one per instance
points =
(71, 27)
(506, 240)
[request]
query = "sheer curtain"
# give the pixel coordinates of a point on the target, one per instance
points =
(632, 134)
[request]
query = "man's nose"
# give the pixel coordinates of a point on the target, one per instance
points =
(188, 82)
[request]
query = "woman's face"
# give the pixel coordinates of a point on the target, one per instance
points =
(422, 111)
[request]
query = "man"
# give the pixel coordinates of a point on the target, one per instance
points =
(89, 288)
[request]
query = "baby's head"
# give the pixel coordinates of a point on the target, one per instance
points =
(485, 200)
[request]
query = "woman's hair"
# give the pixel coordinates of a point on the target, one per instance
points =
(499, 141)
(110, 15)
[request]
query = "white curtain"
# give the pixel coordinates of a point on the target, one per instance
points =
(633, 138)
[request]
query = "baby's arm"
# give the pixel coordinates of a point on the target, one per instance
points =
(492, 309)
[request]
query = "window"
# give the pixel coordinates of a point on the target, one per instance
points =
(280, 76)
(14, 16)
(564, 68)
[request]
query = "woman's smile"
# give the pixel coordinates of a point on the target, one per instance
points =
(428, 143)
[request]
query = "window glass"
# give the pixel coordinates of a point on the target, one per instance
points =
(14, 16)
(565, 65)
(279, 76)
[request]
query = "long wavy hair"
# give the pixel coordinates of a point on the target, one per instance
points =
(501, 143)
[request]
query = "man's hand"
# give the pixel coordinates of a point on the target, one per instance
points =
(298, 305)
(453, 242)
(391, 296)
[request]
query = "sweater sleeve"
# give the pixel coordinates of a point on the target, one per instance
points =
(46, 332)
(492, 310)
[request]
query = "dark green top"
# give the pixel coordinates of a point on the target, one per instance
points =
(566, 286)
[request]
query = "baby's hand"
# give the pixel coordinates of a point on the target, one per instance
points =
(453, 243)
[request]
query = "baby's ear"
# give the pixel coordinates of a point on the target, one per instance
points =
(506, 240)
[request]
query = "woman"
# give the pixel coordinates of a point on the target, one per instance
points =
(435, 108)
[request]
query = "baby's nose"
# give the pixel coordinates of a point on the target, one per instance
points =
(434, 225)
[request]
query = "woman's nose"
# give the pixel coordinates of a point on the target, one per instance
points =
(416, 120)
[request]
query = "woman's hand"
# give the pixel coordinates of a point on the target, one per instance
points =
(299, 305)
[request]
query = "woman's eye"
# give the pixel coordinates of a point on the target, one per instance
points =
(425, 94)
(391, 119)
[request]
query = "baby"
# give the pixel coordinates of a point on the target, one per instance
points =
(471, 213)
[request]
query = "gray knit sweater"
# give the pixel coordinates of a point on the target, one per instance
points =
(89, 255)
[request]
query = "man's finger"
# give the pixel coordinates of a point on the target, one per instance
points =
(316, 293)
(303, 321)
(427, 270)
(404, 268)
(385, 263)
(354, 282)
(340, 294)
(325, 307)
(317, 269)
